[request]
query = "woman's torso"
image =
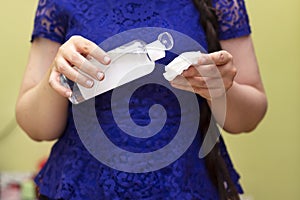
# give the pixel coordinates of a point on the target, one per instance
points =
(74, 170)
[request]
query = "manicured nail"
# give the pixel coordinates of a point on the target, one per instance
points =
(221, 56)
(106, 59)
(100, 76)
(68, 94)
(89, 83)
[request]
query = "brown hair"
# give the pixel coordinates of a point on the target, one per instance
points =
(214, 161)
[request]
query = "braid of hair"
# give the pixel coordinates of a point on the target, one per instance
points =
(209, 22)
(215, 163)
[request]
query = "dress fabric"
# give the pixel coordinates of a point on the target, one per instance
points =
(71, 172)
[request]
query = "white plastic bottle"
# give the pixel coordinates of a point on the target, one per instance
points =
(128, 62)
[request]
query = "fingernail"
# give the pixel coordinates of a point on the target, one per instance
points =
(89, 83)
(221, 56)
(68, 94)
(100, 76)
(106, 59)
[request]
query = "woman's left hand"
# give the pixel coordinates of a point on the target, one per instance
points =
(211, 77)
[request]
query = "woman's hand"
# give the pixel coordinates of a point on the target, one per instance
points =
(75, 52)
(210, 77)
(42, 97)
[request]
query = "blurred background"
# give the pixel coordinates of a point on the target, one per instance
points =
(267, 159)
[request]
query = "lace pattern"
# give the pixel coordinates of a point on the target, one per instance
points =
(49, 23)
(71, 172)
(232, 17)
(53, 17)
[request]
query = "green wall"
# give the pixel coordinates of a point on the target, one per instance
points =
(17, 151)
(268, 159)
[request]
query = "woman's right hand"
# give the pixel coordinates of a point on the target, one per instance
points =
(75, 52)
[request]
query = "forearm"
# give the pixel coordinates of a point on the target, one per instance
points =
(42, 105)
(245, 107)
(41, 112)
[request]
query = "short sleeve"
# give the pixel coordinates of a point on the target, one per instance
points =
(50, 22)
(233, 18)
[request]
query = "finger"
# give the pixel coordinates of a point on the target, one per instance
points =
(86, 47)
(206, 82)
(204, 92)
(83, 64)
(92, 70)
(221, 57)
(201, 91)
(208, 70)
(180, 80)
(205, 59)
(228, 70)
(201, 82)
(190, 72)
(185, 87)
(205, 66)
(54, 82)
(63, 67)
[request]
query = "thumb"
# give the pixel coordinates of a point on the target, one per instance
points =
(221, 57)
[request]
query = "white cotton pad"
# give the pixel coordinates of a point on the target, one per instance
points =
(181, 63)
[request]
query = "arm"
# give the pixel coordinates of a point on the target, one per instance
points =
(40, 111)
(240, 80)
(41, 108)
(246, 99)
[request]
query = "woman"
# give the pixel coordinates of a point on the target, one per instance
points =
(66, 32)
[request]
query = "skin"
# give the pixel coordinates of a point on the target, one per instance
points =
(231, 75)
(43, 100)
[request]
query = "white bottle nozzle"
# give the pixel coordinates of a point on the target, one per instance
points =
(156, 50)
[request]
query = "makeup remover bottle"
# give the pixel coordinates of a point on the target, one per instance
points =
(128, 62)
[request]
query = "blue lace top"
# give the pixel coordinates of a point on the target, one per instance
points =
(72, 170)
